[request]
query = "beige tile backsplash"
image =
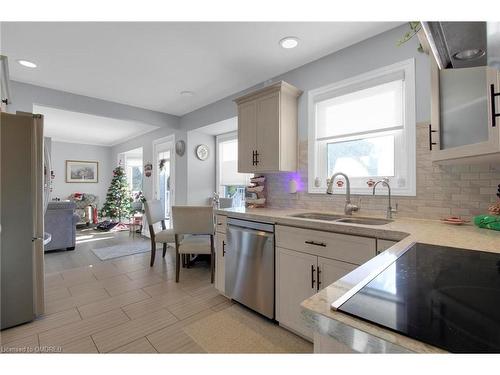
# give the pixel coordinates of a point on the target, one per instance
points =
(442, 190)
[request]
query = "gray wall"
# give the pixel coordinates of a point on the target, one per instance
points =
(367, 55)
(62, 151)
(201, 174)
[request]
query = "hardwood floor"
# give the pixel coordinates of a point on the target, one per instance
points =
(124, 306)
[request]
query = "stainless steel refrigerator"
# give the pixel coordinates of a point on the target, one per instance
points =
(21, 219)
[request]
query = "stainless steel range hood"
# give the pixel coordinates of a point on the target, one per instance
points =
(464, 44)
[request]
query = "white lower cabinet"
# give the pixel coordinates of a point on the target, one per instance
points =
(298, 277)
(330, 270)
(220, 276)
(295, 282)
(383, 245)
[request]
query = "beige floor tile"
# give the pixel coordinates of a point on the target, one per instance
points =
(83, 328)
(223, 305)
(53, 280)
(173, 339)
(144, 272)
(141, 345)
(189, 306)
(77, 276)
(132, 330)
(131, 265)
(97, 284)
(55, 293)
(158, 302)
(105, 271)
(162, 288)
(133, 284)
(83, 345)
(112, 303)
(74, 301)
(42, 324)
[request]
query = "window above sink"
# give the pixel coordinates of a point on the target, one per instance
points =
(365, 127)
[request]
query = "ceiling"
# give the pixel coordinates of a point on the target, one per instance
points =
(221, 127)
(75, 127)
(148, 64)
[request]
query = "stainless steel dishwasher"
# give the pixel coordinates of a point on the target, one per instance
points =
(249, 265)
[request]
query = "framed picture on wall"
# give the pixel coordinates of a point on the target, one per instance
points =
(82, 171)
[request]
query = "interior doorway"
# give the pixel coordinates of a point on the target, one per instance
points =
(163, 189)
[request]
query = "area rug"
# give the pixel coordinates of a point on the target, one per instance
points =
(121, 250)
(238, 330)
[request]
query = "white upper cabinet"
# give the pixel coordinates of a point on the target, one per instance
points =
(463, 122)
(267, 129)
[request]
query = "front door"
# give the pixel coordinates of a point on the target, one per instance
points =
(164, 188)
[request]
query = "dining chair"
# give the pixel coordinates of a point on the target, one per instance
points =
(193, 234)
(154, 214)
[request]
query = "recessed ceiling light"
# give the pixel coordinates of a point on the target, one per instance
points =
(289, 42)
(187, 93)
(27, 64)
(469, 54)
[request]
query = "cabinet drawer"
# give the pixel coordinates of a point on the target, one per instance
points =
(220, 223)
(343, 247)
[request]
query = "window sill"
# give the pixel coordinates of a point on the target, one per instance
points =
(395, 192)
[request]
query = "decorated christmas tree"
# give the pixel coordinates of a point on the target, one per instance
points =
(118, 203)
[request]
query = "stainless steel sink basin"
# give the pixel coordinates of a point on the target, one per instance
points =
(318, 216)
(342, 218)
(364, 221)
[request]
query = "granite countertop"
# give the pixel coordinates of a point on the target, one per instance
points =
(404, 230)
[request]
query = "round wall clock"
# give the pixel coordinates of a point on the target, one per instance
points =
(202, 152)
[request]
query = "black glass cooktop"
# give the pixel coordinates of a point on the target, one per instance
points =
(443, 296)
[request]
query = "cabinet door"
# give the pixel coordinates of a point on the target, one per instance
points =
(462, 111)
(330, 270)
(220, 276)
(247, 133)
(268, 132)
(383, 245)
(295, 282)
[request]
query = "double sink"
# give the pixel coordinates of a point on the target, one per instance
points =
(342, 219)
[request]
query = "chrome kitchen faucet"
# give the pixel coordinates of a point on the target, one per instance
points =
(349, 207)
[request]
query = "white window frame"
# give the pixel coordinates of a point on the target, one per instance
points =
(409, 128)
(219, 139)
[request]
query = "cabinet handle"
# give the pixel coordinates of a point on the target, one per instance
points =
(319, 280)
(219, 223)
(430, 137)
(312, 277)
(494, 113)
(223, 248)
(256, 157)
(322, 244)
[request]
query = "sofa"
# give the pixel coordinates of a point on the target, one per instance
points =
(60, 223)
(81, 205)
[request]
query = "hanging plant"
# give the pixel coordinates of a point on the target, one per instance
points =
(415, 27)
(162, 164)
